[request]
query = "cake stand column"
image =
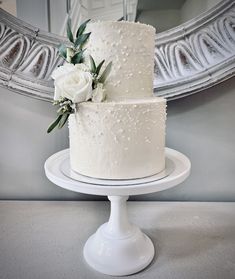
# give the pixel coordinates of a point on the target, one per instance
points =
(118, 247)
(118, 225)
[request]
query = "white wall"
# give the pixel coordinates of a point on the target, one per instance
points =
(58, 15)
(33, 12)
(212, 3)
(24, 147)
(161, 19)
(193, 8)
(201, 126)
(105, 9)
(165, 19)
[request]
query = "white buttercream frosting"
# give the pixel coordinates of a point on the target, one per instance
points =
(118, 140)
(130, 47)
(123, 137)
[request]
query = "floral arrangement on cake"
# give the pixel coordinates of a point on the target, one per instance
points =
(75, 81)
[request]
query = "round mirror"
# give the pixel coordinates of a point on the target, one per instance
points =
(166, 14)
(51, 15)
(195, 40)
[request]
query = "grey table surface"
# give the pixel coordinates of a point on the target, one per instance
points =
(40, 240)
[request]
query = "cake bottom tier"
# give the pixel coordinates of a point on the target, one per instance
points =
(118, 140)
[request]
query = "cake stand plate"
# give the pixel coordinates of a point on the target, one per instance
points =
(118, 247)
(67, 171)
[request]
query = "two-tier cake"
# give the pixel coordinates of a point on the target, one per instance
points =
(123, 137)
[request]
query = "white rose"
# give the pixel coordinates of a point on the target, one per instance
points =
(82, 67)
(67, 68)
(98, 94)
(75, 85)
(62, 70)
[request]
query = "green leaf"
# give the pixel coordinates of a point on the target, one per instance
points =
(69, 31)
(78, 57)
(63, 120)
(81, 28)
(99, 67)
(62, 51)
(93, 66)
(105, 73)
(54, 124)
(81, 39)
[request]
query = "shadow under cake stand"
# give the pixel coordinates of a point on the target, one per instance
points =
(118, 247)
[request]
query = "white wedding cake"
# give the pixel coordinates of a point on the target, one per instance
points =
(124, 136)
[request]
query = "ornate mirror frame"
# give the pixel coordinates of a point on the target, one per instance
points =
(189, 58)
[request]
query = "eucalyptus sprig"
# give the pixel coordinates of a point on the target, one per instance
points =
(95, 70)
(74, 53)
(66, 107)
(95, 79)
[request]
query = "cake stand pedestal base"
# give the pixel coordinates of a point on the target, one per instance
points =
(118, 247)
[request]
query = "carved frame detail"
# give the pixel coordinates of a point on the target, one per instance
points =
(189, 58)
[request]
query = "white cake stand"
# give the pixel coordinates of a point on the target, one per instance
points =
(118, 247)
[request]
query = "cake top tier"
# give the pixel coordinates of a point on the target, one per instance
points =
(126, 24)
(130, 47)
